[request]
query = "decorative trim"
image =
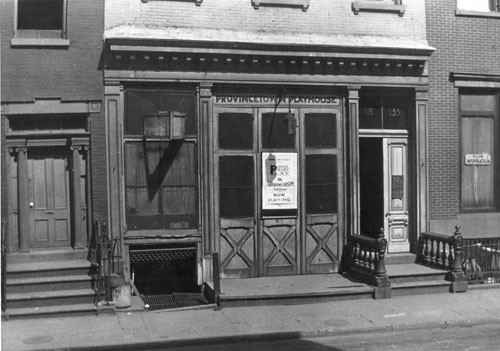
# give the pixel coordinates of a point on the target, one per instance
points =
(50, 105)
(192, 59)
(197, 2)
(304, 4)
(468, 13)
(378, 6)
(475, 80)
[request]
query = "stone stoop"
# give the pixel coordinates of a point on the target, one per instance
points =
(410, 278)
(48, 283)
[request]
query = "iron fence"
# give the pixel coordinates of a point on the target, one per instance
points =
(481, 262)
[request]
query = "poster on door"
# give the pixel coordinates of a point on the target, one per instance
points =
(279, 177)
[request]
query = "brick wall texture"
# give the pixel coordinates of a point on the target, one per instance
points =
(466, 45)
(322, 16)
(73, 73)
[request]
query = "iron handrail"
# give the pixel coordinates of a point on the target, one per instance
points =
(4, 269)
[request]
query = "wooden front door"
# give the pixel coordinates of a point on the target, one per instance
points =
(49, 197)
(300, 235)
(396, 194)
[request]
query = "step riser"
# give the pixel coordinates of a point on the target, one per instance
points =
(417, 278)
(13, 316)
(48, 273)
(420, 290)
(67, 285)
(15, 258)
(56, 301)
(228, 302)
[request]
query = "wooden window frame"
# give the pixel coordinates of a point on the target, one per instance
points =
(390, 6)
(37, 37)
(303, 4)
(463, 113)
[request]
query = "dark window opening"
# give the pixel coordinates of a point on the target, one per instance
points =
(321, 130)
(46, 123)
(383, 112)
(274, 133)
(235, 131)
(321, 184)
(40, 15)
(142, 102)
(236, 186)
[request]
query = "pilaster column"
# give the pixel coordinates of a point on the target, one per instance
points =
(76, 197)
(207, 191)
(421, 191)
(353, 153)
(22, 197)
(113, 96)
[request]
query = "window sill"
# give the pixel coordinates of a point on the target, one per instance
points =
(300, 3)
(467, 13)
(197, 2)
(47, 42)
(374, 6)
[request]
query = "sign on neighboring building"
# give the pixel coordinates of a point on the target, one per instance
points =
(279, 177)
(483, 159)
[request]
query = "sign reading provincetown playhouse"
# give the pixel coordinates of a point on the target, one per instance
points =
(279, 178)
(285, 100)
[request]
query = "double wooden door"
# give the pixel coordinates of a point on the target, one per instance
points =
(278, 180)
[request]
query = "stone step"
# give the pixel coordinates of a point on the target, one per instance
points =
(411, 272)
(70, 282)
(50, 311)
(420, 287)
(50, 298)
(47, 269)
(47, 255)
(400, 258)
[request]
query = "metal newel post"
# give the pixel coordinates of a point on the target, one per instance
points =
(456, 274)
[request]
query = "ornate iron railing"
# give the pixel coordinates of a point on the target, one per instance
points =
(481, 263)
(366, 259)
(102, 255)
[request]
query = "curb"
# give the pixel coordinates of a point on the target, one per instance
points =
(233, 339)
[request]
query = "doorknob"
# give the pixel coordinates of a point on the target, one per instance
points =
(32, 204)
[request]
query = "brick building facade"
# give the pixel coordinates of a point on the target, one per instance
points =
(465, 35)
(332, 94)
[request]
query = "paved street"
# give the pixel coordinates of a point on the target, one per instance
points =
(477, 338)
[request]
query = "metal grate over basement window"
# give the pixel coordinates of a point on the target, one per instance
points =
(164, 254)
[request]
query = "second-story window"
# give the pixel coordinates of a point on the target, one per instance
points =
(479, 5)
(41, 19)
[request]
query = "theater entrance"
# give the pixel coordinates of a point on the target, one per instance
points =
(279, 190)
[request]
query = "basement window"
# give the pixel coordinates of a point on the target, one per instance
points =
(40, 22)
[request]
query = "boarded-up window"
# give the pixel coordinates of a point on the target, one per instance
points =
(160, 185)
(479, 129)
(160, 176)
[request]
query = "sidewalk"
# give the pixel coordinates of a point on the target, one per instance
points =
(128, 331)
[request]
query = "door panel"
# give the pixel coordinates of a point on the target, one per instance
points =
(279, 246)
(321, 243)
(49, 189)
(237, 247)
(396, 194)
